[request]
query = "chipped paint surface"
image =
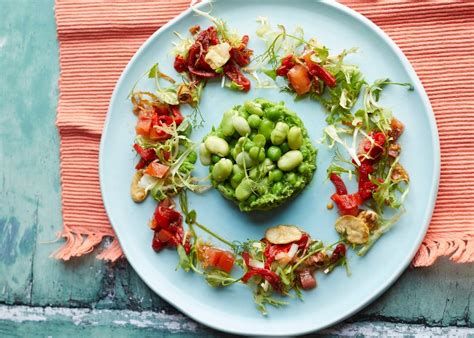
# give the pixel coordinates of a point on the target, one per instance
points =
(180, 324)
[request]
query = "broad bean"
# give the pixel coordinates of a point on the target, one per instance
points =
(226, 126)
(243, 190)
(241, 125)
(290, 160)
(244, 160)
(278, 135)
(295, 138)
(216, 145)
(204, 155)
(253, 108)
(222, 170)
(259, 140)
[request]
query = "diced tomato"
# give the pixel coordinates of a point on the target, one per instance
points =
(317, 70)
(306, 279)
(157, 169)
(143, 127)
(298, 77)
(397, 128)
(373, 148)
(216, 258)
(158, 135)
(347, 204)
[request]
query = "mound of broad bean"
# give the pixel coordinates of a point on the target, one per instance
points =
(260, 155)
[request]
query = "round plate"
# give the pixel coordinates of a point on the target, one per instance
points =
(337, 296)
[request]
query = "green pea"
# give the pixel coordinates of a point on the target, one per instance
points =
(274, 113)
(275, 175)
(204, 155)
(295, 138)
(217, 145)
(278, 135)
(253, 107)
(226, 125)
(248, 145)
(241, 125)
(274, 153)
(290, 160)
(284, 147)
(254, 121)
(277, 188)
(243, 190)
(243, 112)
(291, 178)
(215, 159)
(266, 128)
(254, 152)
(222, 170)
(304, 168)
(236, 179)
(251, 199)
(259, 140)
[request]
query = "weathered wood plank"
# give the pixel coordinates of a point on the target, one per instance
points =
(27, 321)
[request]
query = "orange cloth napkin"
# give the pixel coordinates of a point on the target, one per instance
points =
(97, 39)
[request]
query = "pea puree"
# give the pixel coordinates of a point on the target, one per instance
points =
(260, 155)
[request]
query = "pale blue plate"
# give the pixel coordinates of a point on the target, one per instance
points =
(337, 295)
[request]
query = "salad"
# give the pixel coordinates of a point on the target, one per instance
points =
(260, 155)
(214, 52)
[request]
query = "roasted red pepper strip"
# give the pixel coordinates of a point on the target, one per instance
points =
(180, 64)
(338, 183)
(235, 75)
(146, 156)
(366, 187)
(286, 64)
(177, 117)
(348, 204)
(272, 250)
(317, 70)
(338, 253)
(270, 276)
(241, 55)
(168, 226)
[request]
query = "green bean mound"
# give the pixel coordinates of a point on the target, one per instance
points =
(260, 155)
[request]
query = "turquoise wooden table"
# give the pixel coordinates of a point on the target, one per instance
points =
(40, 296)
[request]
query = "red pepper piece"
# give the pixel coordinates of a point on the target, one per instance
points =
(347, 204)
(272, 250)
(338, 183)
(366, 187)
(286, 64)
(241, 55)
(177, 117)
(373, 148)
(270, 276)
(235, 75)
(180, 64)
(146, 156)
(338, 253)
(317, 70)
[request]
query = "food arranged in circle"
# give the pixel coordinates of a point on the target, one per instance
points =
(260, 155)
